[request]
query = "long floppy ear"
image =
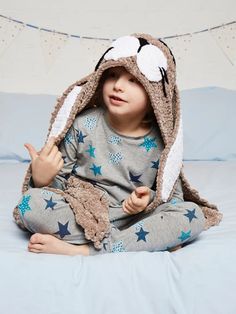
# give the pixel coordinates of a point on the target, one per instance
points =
(174, 158)
(62, 112)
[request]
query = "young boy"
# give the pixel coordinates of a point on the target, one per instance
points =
(121, 186)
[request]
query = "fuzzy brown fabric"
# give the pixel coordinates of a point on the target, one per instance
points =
(90, 207)
(165, 100)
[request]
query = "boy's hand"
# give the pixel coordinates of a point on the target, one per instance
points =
(46, 163)
(137, 201)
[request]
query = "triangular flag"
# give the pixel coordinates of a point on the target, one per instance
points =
(225, 38)
(9, 30)
(52, 44)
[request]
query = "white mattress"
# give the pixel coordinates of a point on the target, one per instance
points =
(199, 278)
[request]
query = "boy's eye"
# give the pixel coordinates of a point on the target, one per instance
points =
(134, 80)
(111, 74)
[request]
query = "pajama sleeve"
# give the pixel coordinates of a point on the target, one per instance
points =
(68, 148)
(178, 193)
(153, 194)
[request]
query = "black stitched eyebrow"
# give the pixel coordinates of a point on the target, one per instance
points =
(100, 60)
(164, 78)
(165, 75)
(143, 42)
(169, 50)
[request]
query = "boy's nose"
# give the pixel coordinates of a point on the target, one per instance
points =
(119, 84)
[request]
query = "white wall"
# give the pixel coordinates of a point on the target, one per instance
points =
(26, 65)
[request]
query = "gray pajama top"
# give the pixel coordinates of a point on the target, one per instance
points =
(115, 163)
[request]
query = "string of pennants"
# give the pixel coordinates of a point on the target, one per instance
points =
(53, 42)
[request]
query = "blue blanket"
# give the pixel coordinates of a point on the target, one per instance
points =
(199, 278)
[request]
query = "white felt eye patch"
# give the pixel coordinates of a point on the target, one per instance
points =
(126, 46)
(150, 59)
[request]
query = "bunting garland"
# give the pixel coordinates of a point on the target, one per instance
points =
(53, 42)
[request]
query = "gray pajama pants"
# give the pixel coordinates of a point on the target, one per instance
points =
(169, 225)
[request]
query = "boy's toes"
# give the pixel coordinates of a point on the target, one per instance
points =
(36, 238)
(35, 247)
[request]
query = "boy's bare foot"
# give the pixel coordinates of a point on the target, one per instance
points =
(46, 243)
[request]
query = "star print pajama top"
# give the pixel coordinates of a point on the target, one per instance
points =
(116, 164)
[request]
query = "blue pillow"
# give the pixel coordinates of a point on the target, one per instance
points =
(24, 119)
(208, 122)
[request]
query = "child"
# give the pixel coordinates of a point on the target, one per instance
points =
(110, 177)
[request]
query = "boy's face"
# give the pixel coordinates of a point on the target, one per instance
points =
(132, 98)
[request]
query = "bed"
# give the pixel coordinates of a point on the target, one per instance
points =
(199, 278)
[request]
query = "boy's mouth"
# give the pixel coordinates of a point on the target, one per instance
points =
(116, 98)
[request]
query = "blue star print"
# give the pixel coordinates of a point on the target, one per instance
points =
(115, 158)
(118, 247)
(50, 203)
(184, 236)
(105, 246)
(190, 214)
(74, 169)
(173, 201)
(155, 164)
(134, 178)
(114, 139)
(80, 136)
(139, 225)
(141, 235)
(91, 151)
(24, 205)
(63, 229)
(148, 143)
(46, 193)
(90, 123)
(96, 169)
(68, 138)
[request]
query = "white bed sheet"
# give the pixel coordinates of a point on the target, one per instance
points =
(199, 278)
